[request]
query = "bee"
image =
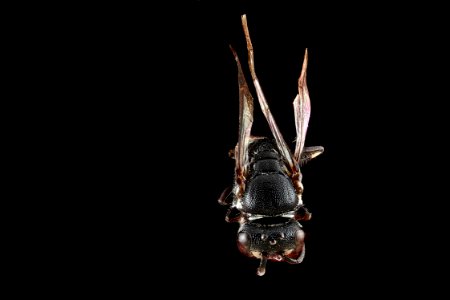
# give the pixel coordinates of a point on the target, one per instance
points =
(266, 198)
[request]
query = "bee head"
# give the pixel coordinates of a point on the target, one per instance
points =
(272, 238)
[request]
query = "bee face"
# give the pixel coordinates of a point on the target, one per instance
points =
(274, 241)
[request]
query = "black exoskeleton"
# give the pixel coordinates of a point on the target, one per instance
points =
(266, 198)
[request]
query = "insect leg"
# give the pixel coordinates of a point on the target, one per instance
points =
(309, 153)
(226, 196)
(302, 214)
(233, 215)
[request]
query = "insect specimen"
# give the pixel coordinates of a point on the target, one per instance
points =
(266, 198)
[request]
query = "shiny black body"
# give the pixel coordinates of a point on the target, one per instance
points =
(269, 209)
(269, 191)
(266, 198)
(271, 237)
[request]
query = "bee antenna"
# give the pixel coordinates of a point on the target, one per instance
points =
(262, 266)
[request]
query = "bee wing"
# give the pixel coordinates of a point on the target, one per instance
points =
(245, 122)
(302, 110)
(282, 146)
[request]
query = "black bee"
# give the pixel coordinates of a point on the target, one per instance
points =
(266, 198)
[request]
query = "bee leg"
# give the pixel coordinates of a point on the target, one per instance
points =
(231, 153)
(302, 214)
(256, 138)
(309, 153)
(225, 198)
(233, 215)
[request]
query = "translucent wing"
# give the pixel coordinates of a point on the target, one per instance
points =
(245, 124)
(302, 110)
(282, 146)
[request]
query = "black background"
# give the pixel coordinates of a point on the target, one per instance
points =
(162, 109)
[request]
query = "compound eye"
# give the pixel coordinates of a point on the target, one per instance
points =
(299, 236)
(295, 256)
(243, 242)
(243, 238)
